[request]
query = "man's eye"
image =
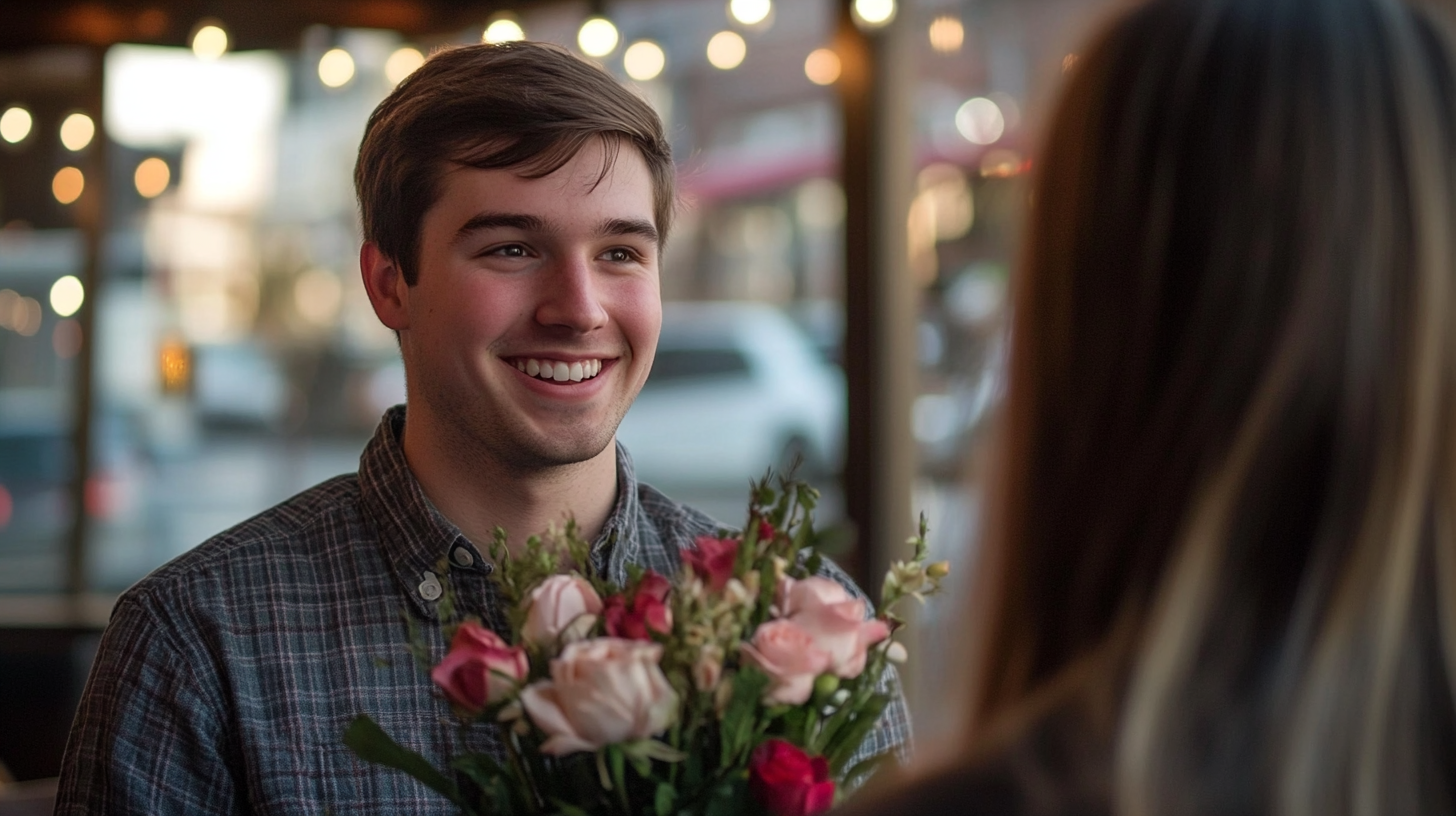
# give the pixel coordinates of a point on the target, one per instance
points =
(509, 251)
(620, 255)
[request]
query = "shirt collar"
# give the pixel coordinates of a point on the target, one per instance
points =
(414, 536)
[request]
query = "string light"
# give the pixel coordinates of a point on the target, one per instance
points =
(77, 131)
(402, 63)
(152, 177)
(67, 185)
(67, 295)
(726, 50)
(597, 37)
(750, 12)
(209, 41)
(947, 34)
(822, 66)
(644, 60)
(15, 125)
(336, 68)
(503, 28)
(874, 13)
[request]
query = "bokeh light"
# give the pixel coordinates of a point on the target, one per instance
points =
(402, 63)
(947, 34)
(209, 42)
(77, 131)
(336, 68)
(152, 177)
(15, 125)
(317, 295)
(67, 295)
(644, 60)
(504, 29)
(980, 121)
(874, 13)
(726, 50)
(67, 185)
(822, 66)
(597, 37)
(750, 12)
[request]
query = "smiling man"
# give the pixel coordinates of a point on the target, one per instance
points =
(515, 201)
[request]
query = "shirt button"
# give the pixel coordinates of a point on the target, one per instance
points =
(462, 557)
(430, 587)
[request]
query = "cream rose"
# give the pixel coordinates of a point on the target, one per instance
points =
(791, 658)
(554, 604)
(602, 691)
(835, 621)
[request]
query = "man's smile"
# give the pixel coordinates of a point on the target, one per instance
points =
(558, 370)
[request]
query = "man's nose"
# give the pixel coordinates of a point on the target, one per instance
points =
(571, 297)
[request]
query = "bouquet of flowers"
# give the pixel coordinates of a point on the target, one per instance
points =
(744, 684)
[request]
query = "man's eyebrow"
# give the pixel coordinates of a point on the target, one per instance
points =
(489, 220)
(630, 226)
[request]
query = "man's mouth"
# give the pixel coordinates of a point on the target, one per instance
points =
(558, 371)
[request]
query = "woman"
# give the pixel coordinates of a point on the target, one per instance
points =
(1222, 569)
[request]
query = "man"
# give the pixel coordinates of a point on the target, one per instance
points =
(515, 201)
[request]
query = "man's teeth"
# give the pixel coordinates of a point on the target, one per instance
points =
(559, 371)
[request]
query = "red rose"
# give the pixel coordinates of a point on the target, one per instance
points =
(789, 782)
(712, 559)
(647, 612)
(480, 668)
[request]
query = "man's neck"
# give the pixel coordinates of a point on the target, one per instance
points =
(479, 493)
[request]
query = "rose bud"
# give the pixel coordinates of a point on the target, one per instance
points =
(480, 668)
(789, 782)
(712, 560)
(554, 604)
(648, 612)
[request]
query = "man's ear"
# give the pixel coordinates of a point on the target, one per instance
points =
(388, 292)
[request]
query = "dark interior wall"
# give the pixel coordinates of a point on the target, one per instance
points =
(42, 672)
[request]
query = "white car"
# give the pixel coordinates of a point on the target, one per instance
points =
(735, 388)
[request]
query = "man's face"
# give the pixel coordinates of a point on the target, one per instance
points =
(535, 317)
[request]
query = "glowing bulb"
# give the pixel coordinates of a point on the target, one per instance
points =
(503, 29)
(822, 66)
(947, 34)
(874, 13)
(980, 120)
(644, 60)
(67, 185)
(750, 12)
(67, 295)
(210, 42)
(335, 68)
(77, 131)
(597, 37)
(15, 125)
(726, 50)
(152, 177)
(402, 63)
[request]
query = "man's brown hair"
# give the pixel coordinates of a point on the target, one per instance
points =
(528, 107)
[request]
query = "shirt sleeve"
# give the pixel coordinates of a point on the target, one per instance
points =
(149, 735)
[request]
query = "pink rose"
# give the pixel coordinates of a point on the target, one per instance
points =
(602, 692)
(835, 620)
(648, 611)
(557, 602)
(789, 782)
(480, 668)
(712, 560)
(791, 658)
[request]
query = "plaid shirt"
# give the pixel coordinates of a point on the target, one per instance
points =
(225, 680)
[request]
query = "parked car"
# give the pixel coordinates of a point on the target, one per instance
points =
(735, 388)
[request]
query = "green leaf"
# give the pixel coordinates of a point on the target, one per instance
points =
(366, 739)
(864, 768)
(738, 717)
(664, 800)
(848, 739)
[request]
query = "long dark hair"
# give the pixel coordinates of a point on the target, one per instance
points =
(1227, 489)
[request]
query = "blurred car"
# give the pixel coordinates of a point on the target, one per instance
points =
(735, 389)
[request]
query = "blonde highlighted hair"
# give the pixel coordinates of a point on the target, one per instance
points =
(1224, 534)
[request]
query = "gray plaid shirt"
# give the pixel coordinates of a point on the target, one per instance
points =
(225, 680)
